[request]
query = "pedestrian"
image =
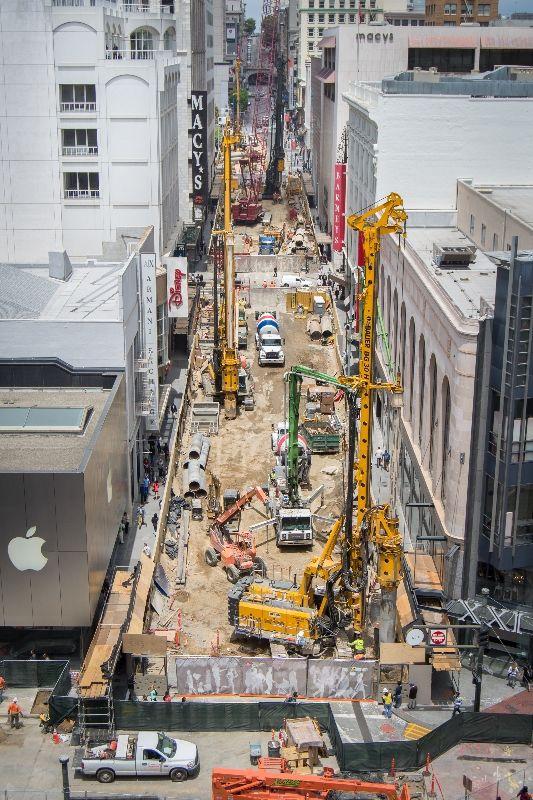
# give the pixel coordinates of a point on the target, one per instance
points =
(45, 657)
(141, 521)
(121, 532)
(159, 444)
(152, 694)
(126, 523)
(167, 697)
(145, 699)
(512, 675)
(292, 698)
(2, 687)
(146, 549)
(379, 457)
(386, 699)
(166, 450)
(14, 713)
(413, 691)
(154, 521)
(457, 704)
(174, 409)
(386, 460)
(527, 676)
(183, 699)
(523, 794)
(155, 487)
(398, 695)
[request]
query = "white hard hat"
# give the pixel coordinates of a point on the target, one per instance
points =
(15, 700)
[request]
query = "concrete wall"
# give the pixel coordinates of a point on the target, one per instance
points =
(500, 223)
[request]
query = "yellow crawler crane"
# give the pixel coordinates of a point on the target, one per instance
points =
(307, 616)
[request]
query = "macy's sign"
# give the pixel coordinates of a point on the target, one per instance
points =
(375, 37)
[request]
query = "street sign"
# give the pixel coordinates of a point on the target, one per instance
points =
(437, 637)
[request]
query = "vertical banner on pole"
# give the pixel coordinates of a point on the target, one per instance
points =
(177, 289)
(149, 311)
(339, 207)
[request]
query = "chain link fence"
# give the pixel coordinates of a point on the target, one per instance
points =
(507, 787)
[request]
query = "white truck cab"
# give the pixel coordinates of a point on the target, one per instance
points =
(271, 350)
(294, 527)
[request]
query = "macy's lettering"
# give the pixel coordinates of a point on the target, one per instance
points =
(375, 37)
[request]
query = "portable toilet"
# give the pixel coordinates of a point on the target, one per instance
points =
(319, 305)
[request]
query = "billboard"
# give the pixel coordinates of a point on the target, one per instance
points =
(149, 316)
(177, 289)
(200, 173)
(339, 207)
(231, 32)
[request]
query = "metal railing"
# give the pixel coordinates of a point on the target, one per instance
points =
(147, 8)
(74, 106)
(80, 150)
(132, 55)
(71, 194)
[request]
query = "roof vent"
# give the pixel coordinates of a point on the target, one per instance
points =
(453, 256)
(59, 265)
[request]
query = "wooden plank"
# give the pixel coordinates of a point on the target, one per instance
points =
(143, 644)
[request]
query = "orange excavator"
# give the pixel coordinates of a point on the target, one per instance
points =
(267, 784)
(236, 553)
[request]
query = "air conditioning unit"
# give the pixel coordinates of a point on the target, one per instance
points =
(453, 256)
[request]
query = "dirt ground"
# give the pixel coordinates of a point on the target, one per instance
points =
(241, 457)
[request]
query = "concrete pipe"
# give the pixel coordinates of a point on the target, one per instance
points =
(202, 489)
(326, 326)
(195, 474)
(207, 386)
(195, 447)
(204, 453)
(313, 328)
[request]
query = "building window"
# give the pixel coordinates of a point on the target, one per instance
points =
(403, 323)
(352, 17)
(341, 3)
(321, 17)
(483, 10)
(331, 17)
(421, 386)
(81, 185)
(483, 234)
(395, 329)
(77, 97)
(432, 410)
(321, 31)
(446, 408)
(341, 18)
(162, 334)
(412, 359)
(321, 3)
(142, 44)
(495, 243)
(310, 32)
(352, 3)
(446, 8)
(311, 17)
(311, 3)
(472, 224)
(79, 142)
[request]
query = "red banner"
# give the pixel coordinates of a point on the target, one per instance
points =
(339, 207)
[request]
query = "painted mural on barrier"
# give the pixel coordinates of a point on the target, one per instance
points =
(339, 678)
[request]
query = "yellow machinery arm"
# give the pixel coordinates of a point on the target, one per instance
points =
(383, 218)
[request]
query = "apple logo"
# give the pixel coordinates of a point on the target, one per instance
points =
(25, 552)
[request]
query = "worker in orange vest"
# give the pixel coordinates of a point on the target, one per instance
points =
(2, 687)
(14, 713)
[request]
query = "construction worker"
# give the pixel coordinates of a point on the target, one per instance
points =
(2, 687)
(14, 713)
(386, 699)
(357, 645)
(457, 704)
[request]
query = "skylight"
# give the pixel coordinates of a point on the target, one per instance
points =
(32, 419)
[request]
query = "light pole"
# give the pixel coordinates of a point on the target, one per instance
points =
(63, 760)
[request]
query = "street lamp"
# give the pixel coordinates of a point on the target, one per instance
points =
(63, 760)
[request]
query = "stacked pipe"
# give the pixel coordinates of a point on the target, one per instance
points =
(195, 483)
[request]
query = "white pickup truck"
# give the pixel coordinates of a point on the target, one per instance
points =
(146, 753)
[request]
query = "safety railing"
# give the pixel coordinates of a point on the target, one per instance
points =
(81, 106)
(131, 55)
(80, 150)
(77, 194)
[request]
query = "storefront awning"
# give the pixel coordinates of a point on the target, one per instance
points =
(328, 41)
(326, 75)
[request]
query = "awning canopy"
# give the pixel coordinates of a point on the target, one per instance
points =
(328, 41)
(326, 75)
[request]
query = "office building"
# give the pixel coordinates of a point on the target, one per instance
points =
(439, 12)
(492, 214)
(364, 55)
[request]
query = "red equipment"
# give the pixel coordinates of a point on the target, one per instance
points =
(237, 555)
(264, 784)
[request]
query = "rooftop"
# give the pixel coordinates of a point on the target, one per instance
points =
(518, 200)
(91, 293)
(470, 289)
(500, 82)
(49, 452)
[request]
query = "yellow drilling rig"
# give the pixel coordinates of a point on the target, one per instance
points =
(309, 615)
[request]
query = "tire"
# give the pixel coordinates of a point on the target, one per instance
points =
(260, 567)
(211, 557)
(105, 776)
(232, 574)
(178, 775)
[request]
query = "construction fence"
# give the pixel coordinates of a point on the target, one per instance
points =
(323, 678)
(30, 673)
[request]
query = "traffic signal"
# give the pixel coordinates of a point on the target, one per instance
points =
(483, 636)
